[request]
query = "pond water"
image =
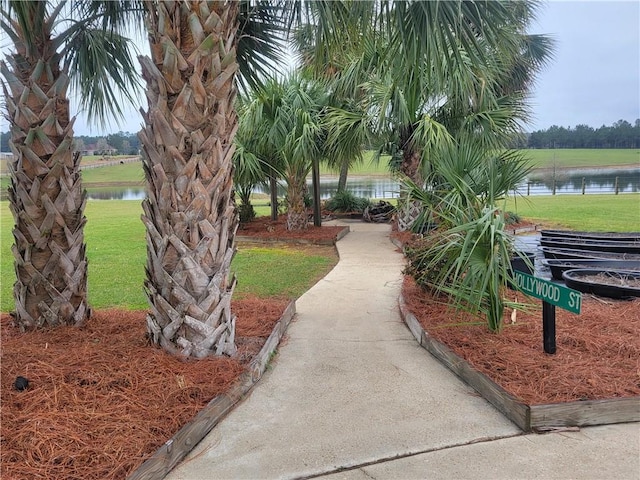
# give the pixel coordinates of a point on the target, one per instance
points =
(574, 181)
(566, 182)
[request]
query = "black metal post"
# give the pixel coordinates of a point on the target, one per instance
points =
(315, 177)
(273, 188)
(549, 327)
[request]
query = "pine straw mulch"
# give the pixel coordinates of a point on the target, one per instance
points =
(597, 356)
(263, 228)
(101, 399)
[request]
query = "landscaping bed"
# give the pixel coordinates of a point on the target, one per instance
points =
(101, 400)
(266, 230)
(598, 351)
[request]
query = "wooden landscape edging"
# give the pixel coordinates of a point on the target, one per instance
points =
(303, 241)
(539, 418)
(185, 440)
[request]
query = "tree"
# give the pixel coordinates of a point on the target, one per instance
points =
(427, 68)
(249, 170)
(477, 91)
(55, 45)
(333, 35)
(125, 149)
(78, 145)
(187, 140)
(468, 256)
(102, 147)
(286, 119)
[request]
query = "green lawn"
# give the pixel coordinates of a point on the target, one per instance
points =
(116, 251)
(123, 173)
(576, 158)
(132, 173)
(116, 244)
(581, 212)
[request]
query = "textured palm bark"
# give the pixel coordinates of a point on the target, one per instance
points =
(297, 216)
(408, 212)
(190, 215)
(46, 196)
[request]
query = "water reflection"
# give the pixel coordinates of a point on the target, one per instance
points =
(370, 187)
(595, 181)
(589, 181)
(117, 194)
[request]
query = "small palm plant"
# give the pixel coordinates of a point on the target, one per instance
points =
(468, 257)
(286, 118)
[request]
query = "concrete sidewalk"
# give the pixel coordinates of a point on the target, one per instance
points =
(351, 395)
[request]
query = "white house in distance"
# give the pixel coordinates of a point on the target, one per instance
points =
(94, 149)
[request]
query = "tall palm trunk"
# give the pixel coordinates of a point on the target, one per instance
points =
(342, 179)
(46, 196)
(409, 211)
(190, 215)
(273, 191)
(297, 217)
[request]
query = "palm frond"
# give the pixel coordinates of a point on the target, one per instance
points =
(102, 71)
(261, 49)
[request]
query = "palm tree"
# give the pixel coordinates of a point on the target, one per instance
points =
(326, 44)
(255, 132)
(468, 256)
(190, 125)
(287, 121)
(53, 50)
(187, 140)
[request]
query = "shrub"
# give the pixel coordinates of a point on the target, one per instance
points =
(511, 218)
(246, 212)
(345, 201)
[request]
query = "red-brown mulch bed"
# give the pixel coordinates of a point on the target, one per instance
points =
(101, 399)
(263, 228)
(597, 357)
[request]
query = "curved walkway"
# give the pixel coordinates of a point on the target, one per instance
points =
(351, 395)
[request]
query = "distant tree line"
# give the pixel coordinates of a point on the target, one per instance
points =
(124, 143)
(620, 135)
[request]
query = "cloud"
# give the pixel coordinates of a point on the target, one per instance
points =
(595, 77)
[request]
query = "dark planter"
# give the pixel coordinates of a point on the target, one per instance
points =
(591, 245)
(578, 280)
(567, 253)
(518, 264)
(557, 267)
(608, 236)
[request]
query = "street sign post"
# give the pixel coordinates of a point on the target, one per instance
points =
(552, 295)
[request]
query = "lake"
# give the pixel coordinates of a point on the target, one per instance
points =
(538, 183)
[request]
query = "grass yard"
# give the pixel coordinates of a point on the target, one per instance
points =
(132, 173)
(116, 251)
(126, 173)
(581, 212)
(583, 158)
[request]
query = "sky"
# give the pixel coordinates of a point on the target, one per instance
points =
(594, 78)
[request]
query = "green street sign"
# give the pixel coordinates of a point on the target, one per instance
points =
(552, 293)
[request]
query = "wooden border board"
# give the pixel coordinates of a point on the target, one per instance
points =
(537, 418)
(177, 447)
